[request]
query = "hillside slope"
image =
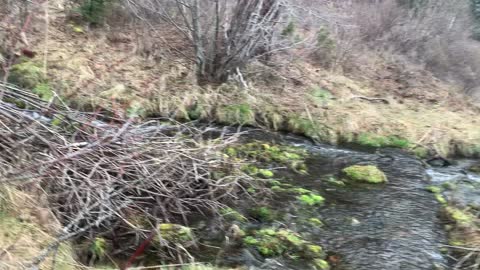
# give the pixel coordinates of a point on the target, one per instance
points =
(90, 68)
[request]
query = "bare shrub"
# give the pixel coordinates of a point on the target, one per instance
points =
(118, 180)
(435, 34)
(224, 36)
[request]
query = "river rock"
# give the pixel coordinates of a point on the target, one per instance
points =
(439, 162)
(367, 174)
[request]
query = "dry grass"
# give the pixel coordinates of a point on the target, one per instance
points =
(26, 229)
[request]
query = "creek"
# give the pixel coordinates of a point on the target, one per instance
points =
(394, 226)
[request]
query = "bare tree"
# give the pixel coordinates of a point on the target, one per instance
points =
(224, 35)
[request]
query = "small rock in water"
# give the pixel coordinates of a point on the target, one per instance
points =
(439, 162)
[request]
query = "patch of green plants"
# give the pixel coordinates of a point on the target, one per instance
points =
(308, 127)
(98, 248)
(272, 242)
(174, 233)
(320, 95)
(263, 214)
(315, 222)
(434, 189)
(459, 216)
(27, 74)
(325, 48)
(289, 156)
(439, 197)
(376, 141)
(311, 199)
(238, 114)
(44, 91)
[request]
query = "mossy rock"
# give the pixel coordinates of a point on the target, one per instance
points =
(434, 189)
(27, 75)
(272, 242)
(367, 174)
(459, 216)
(173, 233)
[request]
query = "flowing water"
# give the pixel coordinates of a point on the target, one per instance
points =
(392, 226)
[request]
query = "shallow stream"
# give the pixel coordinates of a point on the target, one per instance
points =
(394, 226)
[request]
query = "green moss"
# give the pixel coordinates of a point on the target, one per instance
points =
(174, 233)
(459, 216)
(250, 240)
(307, 127)
(320, 95)
(368, 174)
(275, 242)
(98, 248)
(240, 114)
(265, 173)
(311, 199)
(372, 140)
(196, 111)
(57, 120)
(293, 157)
(263, 213)
(315, 222)
(333, 181)
(439, 197)
(232, 215)
(313, 251)
(43, 91)
(320, 264)
(278, 189)
(250, 169)
(434, 189)
(300, 191)
(27, 75)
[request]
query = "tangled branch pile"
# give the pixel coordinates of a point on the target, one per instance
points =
(117, 180)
